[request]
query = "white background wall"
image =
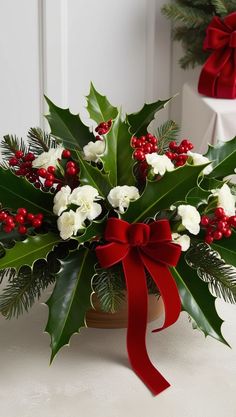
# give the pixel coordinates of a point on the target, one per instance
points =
(55, 47)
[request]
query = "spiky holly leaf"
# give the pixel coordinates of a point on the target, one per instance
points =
(197, 300)
(28, 251)
(223, 157)
(94, 230)
(99, 107)
(91, 175)
(162, 193)
(197, 196)
(17, 192)
(117, 159)
(70, 299)
(68, 127)
(141, 120)
(226, 249)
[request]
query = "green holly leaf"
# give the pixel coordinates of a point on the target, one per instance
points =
(117, 159)
(68, 127)
(223, 157)
(197, 196)
(140, 121)
(99, 107)
(17, 192)
(226, 249)
(28, 251)
(161, 194)
(94, 230)
(91, 175)
(197, 301)
(70, 299)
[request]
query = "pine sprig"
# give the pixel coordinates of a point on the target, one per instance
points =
(167, 132)
(40, 141)
(109, 286)
(212, 268)
(190, 16)
(10, 144)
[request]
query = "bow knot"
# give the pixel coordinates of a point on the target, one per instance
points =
(138, 234)
(232, 40)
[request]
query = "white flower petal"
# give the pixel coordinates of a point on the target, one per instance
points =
(93, 150)
(120, 196)
(182, 240)
(199, 159)
(226, 199)
(159, 163)
(50, 158)
(69, 223)
(190, 218)
(61, 200)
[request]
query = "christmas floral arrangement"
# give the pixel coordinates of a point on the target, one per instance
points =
(112, 208)
(191, 19)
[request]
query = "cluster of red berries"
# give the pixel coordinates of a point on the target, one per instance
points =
(218, 226)
(22, 220)
(143, 145)
(23, 163)
(178, 153)
(103, 128)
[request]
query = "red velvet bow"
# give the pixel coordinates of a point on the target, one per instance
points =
(139, 246)
(218, 76)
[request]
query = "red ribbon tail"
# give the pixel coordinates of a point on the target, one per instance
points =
(137, 323)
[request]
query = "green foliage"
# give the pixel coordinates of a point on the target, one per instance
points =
(9, 145)
(166, 133)
(26, 252)
(68, 127)
(118, 151)
(191, 18)
(223, 155)
(212, 269)
(197, 196)
(109, 286)
(197, 301)
(161, 194)
(140, 121)
(17, 192)
(99, 107)
(227, 249)
(40, 141)
(70, 299)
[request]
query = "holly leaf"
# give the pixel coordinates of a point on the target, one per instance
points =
(226, 249)
(223, 157)
(68, 127)
(94, 230)
(70, 299)
(197, 300)
(28, 251)
(117, 159)
(90, 175)
(197, 196)
(161, 194)
(99, 107)
(17, 192)
(140, 121)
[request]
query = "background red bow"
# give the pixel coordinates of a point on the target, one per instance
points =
(139, 246)
(218, 76)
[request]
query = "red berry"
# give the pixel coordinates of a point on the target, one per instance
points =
(19, 219)
(139, 155)
(179, 163)
(154, 148)
(18, 154)
(153, 140)
(173, 145)
(147, 148)
(227, 232)
(204, 220)
(232, 221)
(70, 164)
(48, 183)
(22, 230)
(138, 143)
(98, 137)
(181, 149)
(51, 169)
(22, 211)
(185, 142)
(66, 154)
(71, 171)
(7, 229)
(142, 139)
(219, 212)
(217, 235)
(169, 155)
(50, 177)
(149, 136)
(221, 225)
(209, 239)
(9, 220)
(42, 172)
(225, 219)
(30, 217)
(37, 184)
(3, 216)
(13, 162)
(36, 223)
(39, 216)
(29, 157)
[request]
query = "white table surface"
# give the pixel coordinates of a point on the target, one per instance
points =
(92, 377)
(206, 120)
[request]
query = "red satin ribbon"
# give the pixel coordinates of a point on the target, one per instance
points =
(218, 76)
(139, 246)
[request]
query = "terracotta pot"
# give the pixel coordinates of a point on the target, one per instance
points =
(99, 319)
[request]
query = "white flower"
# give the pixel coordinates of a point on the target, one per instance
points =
(182, 240)
(120, 196)
(226, 199)
(50, 158)
(190, 218)
(61, 200)
(93, 150)
(85, 198)
(69, 223)
(159, 163)
(199, 159)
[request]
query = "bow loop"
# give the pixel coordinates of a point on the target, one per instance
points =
(232, 41)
